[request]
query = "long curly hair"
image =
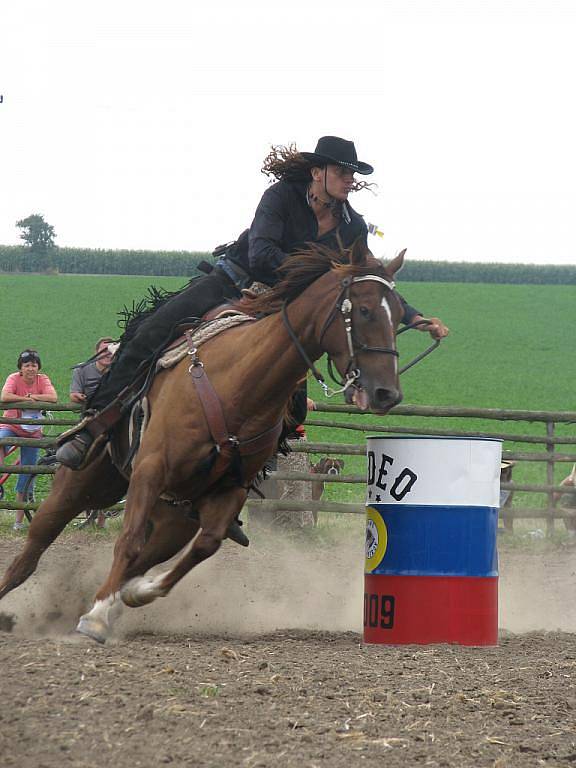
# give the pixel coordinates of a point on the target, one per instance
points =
(286, 163)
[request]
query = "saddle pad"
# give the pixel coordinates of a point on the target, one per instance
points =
(205, 332)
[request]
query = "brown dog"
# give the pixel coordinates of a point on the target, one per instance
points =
(506, 468)
(325, 466)
(568, 501)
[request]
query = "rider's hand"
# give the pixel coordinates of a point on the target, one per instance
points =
(77, 397)
(435, 327)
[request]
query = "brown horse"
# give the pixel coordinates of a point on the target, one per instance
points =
(343, 304)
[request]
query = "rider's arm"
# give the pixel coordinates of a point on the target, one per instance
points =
(264, 251)
(411, 314)
(435, 327)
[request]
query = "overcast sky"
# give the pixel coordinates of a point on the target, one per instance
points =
(136, 124)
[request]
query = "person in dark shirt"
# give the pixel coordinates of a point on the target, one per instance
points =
(307, 204)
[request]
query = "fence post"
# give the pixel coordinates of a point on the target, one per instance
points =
(550, 476)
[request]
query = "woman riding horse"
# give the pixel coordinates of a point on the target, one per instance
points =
(308, 204)
(213, 422)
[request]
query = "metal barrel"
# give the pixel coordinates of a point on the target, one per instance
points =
(431, 567)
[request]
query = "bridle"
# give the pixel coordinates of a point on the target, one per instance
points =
(343, 304)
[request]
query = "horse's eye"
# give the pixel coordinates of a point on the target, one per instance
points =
(365, 312)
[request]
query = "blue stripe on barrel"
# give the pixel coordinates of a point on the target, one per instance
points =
(439, 541)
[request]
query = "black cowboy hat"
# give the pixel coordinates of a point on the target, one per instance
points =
(337, 151)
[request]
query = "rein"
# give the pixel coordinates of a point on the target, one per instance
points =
(426, 352)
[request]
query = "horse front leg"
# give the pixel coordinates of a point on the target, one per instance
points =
(217, 511)
(145, 486)
(169, 531)
(100, 484)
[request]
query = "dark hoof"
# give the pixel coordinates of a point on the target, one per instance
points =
(236, 534)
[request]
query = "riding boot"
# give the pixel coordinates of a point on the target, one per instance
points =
(80, 443)
(236, 534)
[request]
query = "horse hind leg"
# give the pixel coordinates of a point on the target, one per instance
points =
(217, 511)
(100, 482)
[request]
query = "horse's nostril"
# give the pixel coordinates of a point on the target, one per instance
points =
(387, 397)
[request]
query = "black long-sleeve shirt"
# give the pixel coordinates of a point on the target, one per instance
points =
(284, 222)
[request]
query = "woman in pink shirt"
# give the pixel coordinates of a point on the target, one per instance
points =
(26, 384)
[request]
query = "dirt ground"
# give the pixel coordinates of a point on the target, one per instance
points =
(256, 659)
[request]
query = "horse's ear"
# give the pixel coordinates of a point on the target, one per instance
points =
(396, 264)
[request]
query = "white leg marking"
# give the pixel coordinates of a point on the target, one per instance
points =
(97, 623)
(143, 590)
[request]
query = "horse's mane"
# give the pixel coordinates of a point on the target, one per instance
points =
(299, 270)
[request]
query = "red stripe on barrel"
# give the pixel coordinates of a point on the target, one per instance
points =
(430, 609)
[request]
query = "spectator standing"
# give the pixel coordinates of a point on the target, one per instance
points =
(27, 383)
(86, 377)
(86, 380)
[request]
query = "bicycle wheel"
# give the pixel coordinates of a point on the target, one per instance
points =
(51, 430)
(6, 476)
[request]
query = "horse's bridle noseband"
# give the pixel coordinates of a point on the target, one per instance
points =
(343, 304)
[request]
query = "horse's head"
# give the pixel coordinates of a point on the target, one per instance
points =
(359, 333)
(350, 296)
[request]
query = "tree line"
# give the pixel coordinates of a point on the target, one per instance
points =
(40, 254)
(94, 261)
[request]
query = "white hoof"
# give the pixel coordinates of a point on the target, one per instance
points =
(97, 623)
(140, 591)
(93, 628)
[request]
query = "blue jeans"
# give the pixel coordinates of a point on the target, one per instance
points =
(28, 456)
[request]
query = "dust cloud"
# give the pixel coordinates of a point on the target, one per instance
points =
(279, 582)
(537, 590)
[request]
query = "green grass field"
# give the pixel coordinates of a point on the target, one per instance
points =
(511, 346)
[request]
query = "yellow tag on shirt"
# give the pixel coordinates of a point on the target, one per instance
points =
(373, 230)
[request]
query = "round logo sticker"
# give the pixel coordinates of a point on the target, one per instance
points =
(376, 539)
